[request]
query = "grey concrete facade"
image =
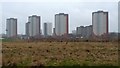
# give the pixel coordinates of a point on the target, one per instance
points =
(11, 27)
(61, 24)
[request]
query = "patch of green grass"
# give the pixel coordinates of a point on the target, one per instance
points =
(52, 63)
(69, 62)
(25, 62)
(7, 40)
(64, 62)
(86, 63)
(106, 65)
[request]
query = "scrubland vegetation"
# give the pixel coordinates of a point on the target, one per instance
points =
(24, 53)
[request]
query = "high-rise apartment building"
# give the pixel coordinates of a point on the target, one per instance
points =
(54, 32)
(27, 26)
(47, 29)
(11, 27)
(61, 24)
(100, 23)
(33, 26)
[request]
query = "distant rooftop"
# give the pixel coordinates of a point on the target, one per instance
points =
(61, 14)
(11, 18)
(100, 11)
(34, 16)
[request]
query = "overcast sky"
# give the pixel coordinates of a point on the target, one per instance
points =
(80, 12)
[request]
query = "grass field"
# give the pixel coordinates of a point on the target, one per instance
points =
(60, 53)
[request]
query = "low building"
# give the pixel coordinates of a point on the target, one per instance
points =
(84, 32)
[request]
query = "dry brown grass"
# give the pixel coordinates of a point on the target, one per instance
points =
(60, 53)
